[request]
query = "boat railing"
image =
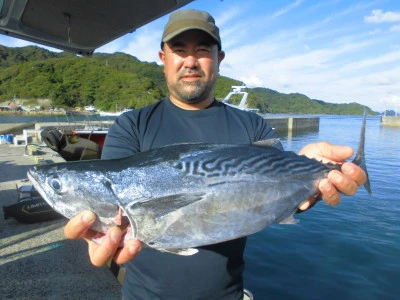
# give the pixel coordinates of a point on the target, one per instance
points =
(239, 90)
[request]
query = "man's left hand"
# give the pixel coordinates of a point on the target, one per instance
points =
(345, 182)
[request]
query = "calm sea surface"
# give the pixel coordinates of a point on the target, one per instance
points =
(351, 251)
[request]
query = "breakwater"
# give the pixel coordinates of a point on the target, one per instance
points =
(290, 124)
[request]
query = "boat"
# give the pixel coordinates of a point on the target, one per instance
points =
(90, 108)
(239, 90)
(74, 145)
(113, 114)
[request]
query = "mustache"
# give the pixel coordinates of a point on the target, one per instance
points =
(190, 73)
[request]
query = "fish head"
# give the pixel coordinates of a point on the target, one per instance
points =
(71, 188)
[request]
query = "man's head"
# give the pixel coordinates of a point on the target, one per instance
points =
(191, 55)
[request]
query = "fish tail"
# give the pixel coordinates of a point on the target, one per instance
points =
(359, 159)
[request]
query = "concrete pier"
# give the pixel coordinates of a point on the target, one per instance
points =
(293, 123)
(14, 128)
(94, 125)
(36, 260)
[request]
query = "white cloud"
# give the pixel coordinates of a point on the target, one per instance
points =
(252, 81)
(144, 44)
(287, 8)
(14, 42)
(378, 16)
(395, 28)
(111, 47)
(390, 57)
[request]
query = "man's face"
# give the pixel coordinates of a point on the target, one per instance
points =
(191, 62)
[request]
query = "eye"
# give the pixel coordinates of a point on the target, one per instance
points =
(179, 51)
(55, 184)
(204, 49)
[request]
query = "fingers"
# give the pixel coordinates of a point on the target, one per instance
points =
(336, 153)
(79, 226)
(128, 252)
(328, 192)
(100, 254)
(327, 152)
(335, 184)
(345, 182)
(354, 172)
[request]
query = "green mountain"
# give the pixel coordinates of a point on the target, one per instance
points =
(109, 79)
(274, 102)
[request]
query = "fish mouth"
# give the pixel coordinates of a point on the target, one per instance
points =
(38, 187)
(127, 226)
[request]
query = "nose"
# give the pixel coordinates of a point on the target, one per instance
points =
(191, 61)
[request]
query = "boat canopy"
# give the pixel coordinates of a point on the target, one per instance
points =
(79, 26)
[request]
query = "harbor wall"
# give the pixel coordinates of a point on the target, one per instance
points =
(293, 123)
(15, 128)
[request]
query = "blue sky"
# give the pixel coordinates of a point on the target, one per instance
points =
(337, 51)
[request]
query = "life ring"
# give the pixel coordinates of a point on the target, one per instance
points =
(53, 138)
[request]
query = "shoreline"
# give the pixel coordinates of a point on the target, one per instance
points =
(44, 113)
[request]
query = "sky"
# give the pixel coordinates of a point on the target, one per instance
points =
(338, 51)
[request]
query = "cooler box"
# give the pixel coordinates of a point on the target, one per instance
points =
(9, 138)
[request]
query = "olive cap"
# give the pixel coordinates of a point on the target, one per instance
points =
(183, 20)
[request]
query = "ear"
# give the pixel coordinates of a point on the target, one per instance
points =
(221, 56)
(161, 55)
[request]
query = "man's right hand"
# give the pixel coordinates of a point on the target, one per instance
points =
(79, 227)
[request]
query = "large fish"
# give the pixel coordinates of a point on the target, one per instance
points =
(183, 196)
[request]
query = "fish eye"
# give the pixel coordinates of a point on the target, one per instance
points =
(55, 184)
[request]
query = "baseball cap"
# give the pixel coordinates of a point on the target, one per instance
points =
(183, 20)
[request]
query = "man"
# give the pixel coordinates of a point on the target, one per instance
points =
(191, 53)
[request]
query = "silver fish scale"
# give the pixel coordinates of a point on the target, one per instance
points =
(248, 160)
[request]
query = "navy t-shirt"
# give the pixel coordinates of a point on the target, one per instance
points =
(215, 272)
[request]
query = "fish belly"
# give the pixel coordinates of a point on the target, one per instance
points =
(222, 212)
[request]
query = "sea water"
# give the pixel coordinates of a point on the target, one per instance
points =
(351, 251)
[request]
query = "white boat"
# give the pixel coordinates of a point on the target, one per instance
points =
(90, 108)
(113, 114)
(238, 90)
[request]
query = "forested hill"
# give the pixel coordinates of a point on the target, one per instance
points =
(109, 79)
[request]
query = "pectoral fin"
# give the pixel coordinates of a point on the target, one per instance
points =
(183, 252)
(164, 205)
(289, 220)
